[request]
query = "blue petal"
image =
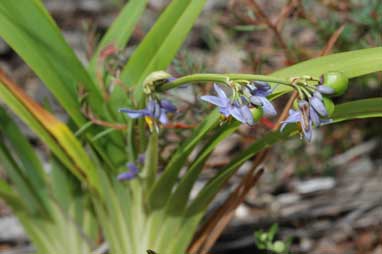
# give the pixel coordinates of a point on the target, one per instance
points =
(247, 115)
(294, 117)
(224, 111)
(256, 100)
(134, 113)
(220, 92)
(318, 95)
(132, 167)
(319, 106)
(163, 118)
(167, 105)
(262, 85)
(325, 89)
(314, 117)
(236, 113)
(126, 176)
(133, 171)
(307, 129)
(308, 133)
(151, 108)
(214, 100)
(268, 107)
(141, 158)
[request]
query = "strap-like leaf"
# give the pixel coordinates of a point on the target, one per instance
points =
(27, 27)
(123, 26)
(353, 64)
(10, 196)
(160, 45)
(162, 188)
(52, 131)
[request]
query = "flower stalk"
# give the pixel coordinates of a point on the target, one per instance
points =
(220, 78)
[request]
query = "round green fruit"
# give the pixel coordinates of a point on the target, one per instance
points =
(329, 105)
(336, 80)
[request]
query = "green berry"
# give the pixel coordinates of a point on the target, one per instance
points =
(329, 105)
(336, 80)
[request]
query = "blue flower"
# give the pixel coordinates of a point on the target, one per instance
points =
(325, 89)
(302, 117)
(227, 107)
(259, 91)
(316, 102)
(155, 109)
(128, 175)
(309, 115)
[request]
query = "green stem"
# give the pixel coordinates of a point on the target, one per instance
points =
(220, 78)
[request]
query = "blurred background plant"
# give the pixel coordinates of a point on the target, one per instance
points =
(230, 36)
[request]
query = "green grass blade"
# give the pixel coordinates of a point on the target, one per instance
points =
(162, 188)
(11, 197)
(123, 26)
(150, 168)
(353, 64)
(31, 32)
(30, 194)
(359, 109)
(57, 135)
(171, 217)
(25, 152)
(160, 45)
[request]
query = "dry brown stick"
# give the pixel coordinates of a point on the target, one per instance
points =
(285, 12)
(257, 9)
(332, 41)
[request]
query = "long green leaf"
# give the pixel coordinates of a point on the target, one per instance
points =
(159, 46)
(31, 32)
(11, 197)
(57, 135)
(162, 188)
(123, 26)
(353, 64)
(23, 149)
(171, 217)
(23, 185)
(359, 109)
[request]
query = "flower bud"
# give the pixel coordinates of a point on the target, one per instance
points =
(154, 79)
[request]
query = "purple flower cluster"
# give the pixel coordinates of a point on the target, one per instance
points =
(155, 110)
(259, 91)
(310, 113)
(128, 175)
(239, 106)
(227, 107)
